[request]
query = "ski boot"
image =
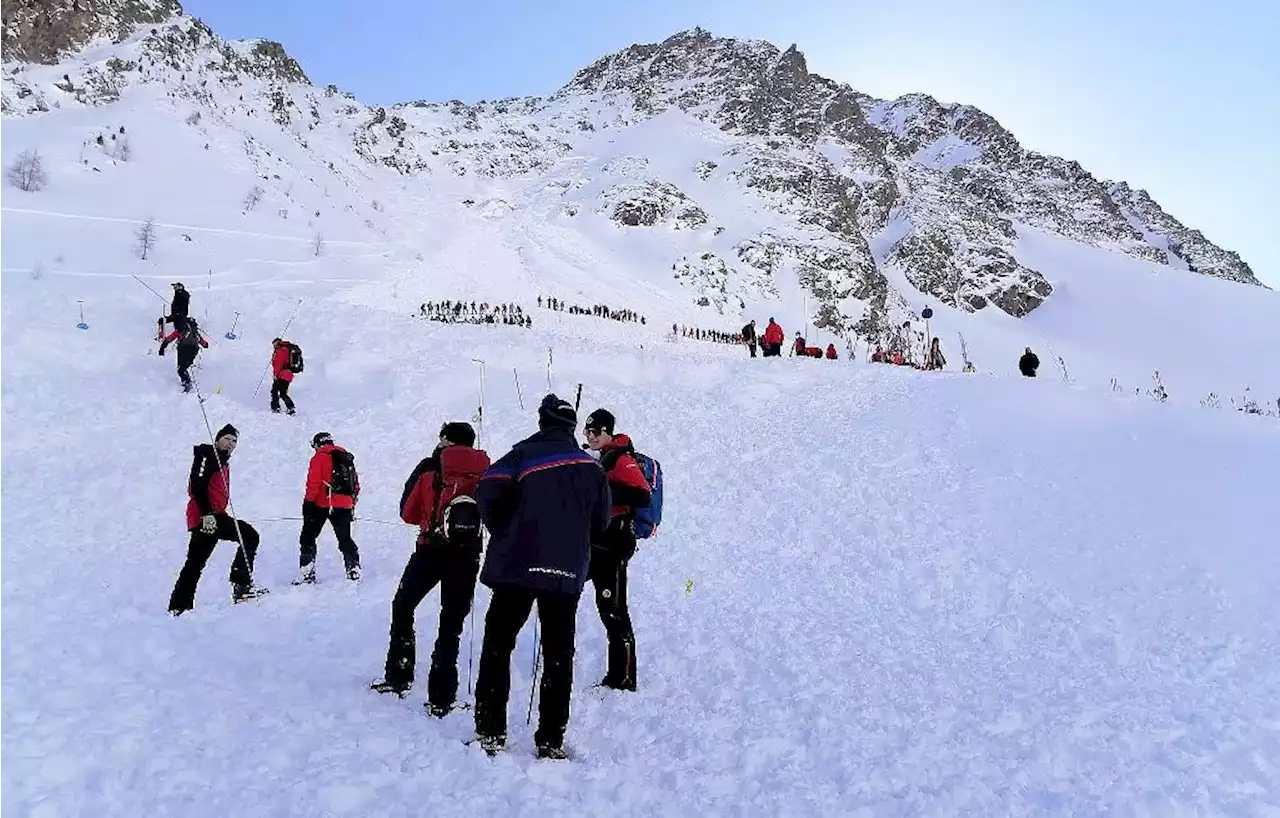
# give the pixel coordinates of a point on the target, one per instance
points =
(306, 575)
(245, 592)
(401, 689)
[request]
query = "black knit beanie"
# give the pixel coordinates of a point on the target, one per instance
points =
(601, 420)
(556, 412)
(458, 433)
(227, 430)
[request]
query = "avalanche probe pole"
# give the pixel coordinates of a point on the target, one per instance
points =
(153, 292)
(266, 368)
(471, 637)
(248, 561)
(519, 394)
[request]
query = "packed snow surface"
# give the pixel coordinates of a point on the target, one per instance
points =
(878, 592)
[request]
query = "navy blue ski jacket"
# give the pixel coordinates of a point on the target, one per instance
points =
(543, 502)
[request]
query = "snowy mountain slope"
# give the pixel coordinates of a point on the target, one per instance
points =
(878, 591)
(844, 191)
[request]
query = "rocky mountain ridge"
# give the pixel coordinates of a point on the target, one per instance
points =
(793, 174)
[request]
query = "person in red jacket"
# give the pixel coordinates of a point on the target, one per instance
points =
(333, 486)
(281, 376)
(772, 340)
(437, 499)
(209, 496)
(612, 550)
(800, 345)
(831, 352)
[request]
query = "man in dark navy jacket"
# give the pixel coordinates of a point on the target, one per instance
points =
(543, 503)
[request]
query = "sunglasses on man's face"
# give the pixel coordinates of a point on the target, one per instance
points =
(591, 432)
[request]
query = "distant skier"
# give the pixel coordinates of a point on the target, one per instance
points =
(543, 502)
(1028, 363)
(748, 336)
(333, 487)
(613, 549)
(282, 372)
(935, 359)
(178, 310)
(189, 343)
(438, 498)
(209, 490)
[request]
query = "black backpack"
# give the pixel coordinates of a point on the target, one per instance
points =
(190, 334)
(345, 480)
(458, 523)
(296, 363)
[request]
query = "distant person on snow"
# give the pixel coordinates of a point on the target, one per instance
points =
(438, 498)
(1028, 363)
(179, 308)
(935, 358)
(879, 356)
(281, 374)
(189, 343)
(616, 545)
(749, 336)
(544, 502)
(333, 487)
(831, 352)
(773, 338)
(209, 490)
(799, 346)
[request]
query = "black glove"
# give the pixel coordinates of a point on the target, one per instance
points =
(161, 352)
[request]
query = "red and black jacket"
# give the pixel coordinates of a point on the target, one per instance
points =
(209, 486)
(628, 489)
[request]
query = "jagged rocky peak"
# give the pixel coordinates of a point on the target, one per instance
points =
(747, 86)
(1186, 244)
(45, 31)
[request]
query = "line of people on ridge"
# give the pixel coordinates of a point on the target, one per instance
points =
(557, 518)
(461, 312)
(595, 311)
(188, 339)
(699, 334)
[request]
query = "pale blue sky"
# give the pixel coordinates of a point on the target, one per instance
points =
(1180, 98)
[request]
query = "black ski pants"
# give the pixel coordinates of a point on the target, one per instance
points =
(280, 392)
(454, 570)
(201, 548)
(751, 345)
(313, 519)
(508, 611)
(608, 573)
(186, 357)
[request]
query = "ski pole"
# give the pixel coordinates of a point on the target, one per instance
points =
(537, 655)
(153, 292)
(267, 368)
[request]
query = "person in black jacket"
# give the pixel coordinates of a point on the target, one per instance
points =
(190, 340)
(179, 308)
(1028, 363)
(749, 337)
(543, 503)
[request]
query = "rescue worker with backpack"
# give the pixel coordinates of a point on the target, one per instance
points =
(189, 339)
(333, 487)
(439, 498)
(613, 548)
(286, 361)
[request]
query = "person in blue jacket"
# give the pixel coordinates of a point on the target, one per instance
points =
(543, 503)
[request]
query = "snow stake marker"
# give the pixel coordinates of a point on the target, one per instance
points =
(231, 333)
(82, 324)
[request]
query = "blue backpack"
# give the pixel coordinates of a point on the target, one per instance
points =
(648, 519)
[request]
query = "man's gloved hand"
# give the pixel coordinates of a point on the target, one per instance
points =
(209, 524)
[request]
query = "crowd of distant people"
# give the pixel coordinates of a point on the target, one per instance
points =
(700, 334)
(595, 310)
(469, 312)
